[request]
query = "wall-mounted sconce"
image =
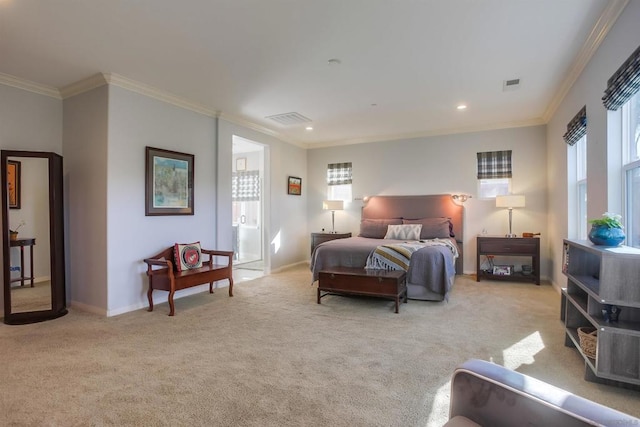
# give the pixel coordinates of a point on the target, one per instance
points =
(460, 198)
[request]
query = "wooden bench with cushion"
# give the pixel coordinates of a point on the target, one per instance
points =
(168, 278)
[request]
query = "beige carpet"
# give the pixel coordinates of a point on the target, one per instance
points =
(270, 356)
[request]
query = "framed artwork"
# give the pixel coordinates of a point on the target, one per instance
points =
(241, 164)
(13, 182)
(169, 182)
(294, 186)
(503, 270)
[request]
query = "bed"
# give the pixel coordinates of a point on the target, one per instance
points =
(431, 272)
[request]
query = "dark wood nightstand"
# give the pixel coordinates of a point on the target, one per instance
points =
(317, 238)
(510, 246)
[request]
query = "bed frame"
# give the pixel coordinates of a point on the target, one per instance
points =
(415, 207)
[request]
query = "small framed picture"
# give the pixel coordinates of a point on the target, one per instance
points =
(294, 186)
(241, 164)
(502, 270)
(13, 182)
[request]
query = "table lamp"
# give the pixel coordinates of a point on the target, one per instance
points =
(510, 201)
(333, 206)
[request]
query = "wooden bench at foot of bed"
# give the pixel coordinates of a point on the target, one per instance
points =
(167, 278)
(390, 284)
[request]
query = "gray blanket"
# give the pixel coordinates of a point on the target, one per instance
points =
(431, 271)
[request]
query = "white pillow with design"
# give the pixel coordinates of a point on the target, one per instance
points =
(404, 232)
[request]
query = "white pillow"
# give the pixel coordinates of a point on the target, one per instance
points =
(404, 232)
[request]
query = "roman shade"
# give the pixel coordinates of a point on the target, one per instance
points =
(577, 127)
(624, 83)
(494, 164)
(245, 186)
(339, 173)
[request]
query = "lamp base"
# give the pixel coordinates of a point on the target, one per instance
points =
(511, 235)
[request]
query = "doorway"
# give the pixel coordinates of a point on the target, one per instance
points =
(247, 192)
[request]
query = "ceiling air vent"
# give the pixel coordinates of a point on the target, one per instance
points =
(511, 84)
(288, 119)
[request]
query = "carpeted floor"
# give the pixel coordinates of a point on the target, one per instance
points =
(271, 356)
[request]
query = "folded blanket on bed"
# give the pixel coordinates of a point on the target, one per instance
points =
(397, 256)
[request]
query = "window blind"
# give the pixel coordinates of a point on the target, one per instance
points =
(624, 83)
(577, 127)
(494, 164)
(339, 173)
(245, 186)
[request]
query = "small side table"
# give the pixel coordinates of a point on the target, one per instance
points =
(317, 238)
(510, 246)
(21, 243)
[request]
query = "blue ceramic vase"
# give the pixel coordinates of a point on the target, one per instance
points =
(606, 236)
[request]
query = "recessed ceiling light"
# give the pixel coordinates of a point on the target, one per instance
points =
(309, 128)
(461, 107)
(334, 61)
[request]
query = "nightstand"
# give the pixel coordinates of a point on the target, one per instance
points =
(317, 238)
(510, 246)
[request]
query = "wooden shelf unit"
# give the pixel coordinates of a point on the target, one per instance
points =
(598, 276)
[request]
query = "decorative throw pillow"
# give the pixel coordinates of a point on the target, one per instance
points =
(433, 228)
(376, 228)
(188, 256)
(404, 232)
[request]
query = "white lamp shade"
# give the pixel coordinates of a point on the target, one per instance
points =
(510, 201)
(333, 205)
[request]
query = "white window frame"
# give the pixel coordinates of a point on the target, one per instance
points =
(631, 164)
(581, 187)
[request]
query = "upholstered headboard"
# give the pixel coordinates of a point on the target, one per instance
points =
(416, 207)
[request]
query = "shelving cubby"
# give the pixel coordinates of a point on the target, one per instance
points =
(599, 276)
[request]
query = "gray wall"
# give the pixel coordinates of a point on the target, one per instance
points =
(85, 160)
(137, 121)
(604, 177)
(436, 165)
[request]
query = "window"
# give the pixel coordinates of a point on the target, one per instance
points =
(576, 136)
(622, 92)
(494, 174)
(631, 168)
(581, 186)
(339, 178)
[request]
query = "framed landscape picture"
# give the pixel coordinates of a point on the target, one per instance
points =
(294, 186)
(169, 182)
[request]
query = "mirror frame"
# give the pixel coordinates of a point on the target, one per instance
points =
(56, 238)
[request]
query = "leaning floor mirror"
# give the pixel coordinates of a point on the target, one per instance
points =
(33, 236)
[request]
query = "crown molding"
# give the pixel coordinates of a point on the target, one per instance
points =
(83, 85)
(155, 93)
(30, 86)
(437, 132)
(607, 19)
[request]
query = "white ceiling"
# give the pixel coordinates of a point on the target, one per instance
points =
(405, 64)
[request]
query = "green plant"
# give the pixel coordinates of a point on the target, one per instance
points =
(608, 219)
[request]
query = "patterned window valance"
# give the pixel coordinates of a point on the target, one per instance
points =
(577, 127)
(624, 83)
(494, 164)
(339, 173)
(245, 186)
